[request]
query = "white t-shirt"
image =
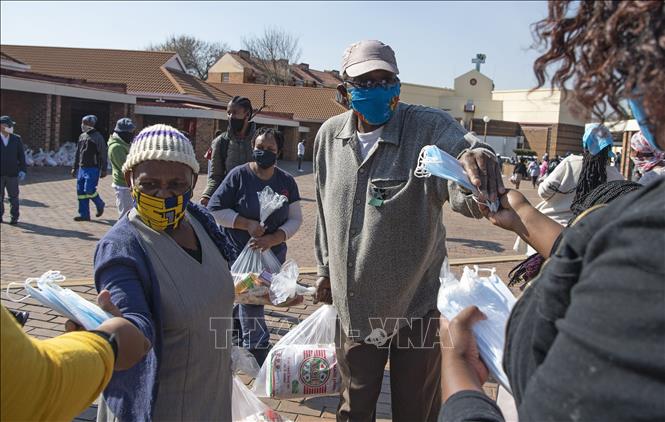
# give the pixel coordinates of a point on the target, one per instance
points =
(4, 140)
(301, 148)
(368, 141)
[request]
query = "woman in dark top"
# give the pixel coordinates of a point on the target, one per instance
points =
(519, 173)
(235, 206)
(586, 341)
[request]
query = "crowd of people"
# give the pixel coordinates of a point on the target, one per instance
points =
(585, 341)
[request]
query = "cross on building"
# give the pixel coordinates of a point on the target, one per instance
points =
(480, 59)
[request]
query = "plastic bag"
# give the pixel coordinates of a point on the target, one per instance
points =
(269, 202)
(272, 289)
(49, 160)
(434, 161)
(304, 361)
(246, 407)
(254, 261)
(28, 158)
(493, 298)
(64, 301)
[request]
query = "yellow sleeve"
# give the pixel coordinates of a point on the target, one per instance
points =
(53, 379)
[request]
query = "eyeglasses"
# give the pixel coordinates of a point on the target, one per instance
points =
(370, 83)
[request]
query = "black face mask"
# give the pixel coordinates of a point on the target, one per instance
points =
(264, 158)
(126, 136)
(237, 124)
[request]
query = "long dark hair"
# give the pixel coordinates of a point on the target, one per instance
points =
(602, 52)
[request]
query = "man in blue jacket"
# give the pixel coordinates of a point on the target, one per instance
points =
(12, 167)
(89, 165)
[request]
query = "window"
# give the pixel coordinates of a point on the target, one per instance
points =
(225, 77)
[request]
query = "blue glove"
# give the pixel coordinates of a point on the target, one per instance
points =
(21, 176)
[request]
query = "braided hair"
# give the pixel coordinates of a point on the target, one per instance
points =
(279, 137)
(243, 102)
(603, 194)
(594, 174)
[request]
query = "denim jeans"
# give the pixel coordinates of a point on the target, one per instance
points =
(254, 331)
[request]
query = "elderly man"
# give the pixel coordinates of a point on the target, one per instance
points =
(89, 166)
(12, 167)
(380, 240)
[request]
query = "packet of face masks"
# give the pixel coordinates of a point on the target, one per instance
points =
(269, 202)
(434, 161)
(493, 299)
(66, 302)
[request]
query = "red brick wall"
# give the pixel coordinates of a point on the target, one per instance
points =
(32, 114)
(205, 131)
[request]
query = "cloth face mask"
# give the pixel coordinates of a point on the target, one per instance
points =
(375, 105)
(161, 213)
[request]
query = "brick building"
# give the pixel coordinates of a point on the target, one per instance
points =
(48, 89)
(240, 67)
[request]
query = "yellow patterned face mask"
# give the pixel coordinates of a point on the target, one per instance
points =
(161, 213)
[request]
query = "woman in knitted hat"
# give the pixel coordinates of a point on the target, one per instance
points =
(165, 265)
(648, 160)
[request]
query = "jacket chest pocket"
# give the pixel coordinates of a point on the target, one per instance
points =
(381, 191)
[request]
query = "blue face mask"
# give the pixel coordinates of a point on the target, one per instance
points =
(436, 162)
(375, 105)
(640, 116)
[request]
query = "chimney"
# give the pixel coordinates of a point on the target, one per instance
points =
(335, 73)
(244, 54)
(283, 63)
(304, 66)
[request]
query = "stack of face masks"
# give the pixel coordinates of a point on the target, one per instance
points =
(46, 290)
(494, 300)
(434, 161)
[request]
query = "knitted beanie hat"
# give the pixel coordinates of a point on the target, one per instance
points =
(161, 143)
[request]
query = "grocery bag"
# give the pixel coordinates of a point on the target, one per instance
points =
(266, 288)
(245, 406)
(64, 301)
(303, 362)
(493, 299)
(254, 261)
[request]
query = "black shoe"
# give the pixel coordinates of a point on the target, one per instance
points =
(100, 212)
(79, 218)
(13, 221)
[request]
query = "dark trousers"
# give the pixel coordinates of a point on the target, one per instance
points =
(300, 157)
(11, 184)
(415, 373)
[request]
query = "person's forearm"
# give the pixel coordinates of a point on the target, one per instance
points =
(242, 223)
(456, 376)
(538, 230)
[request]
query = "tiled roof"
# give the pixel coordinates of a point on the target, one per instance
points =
(191, 85)
(306, 104)
(326, 78)
(10, 58)
(141, 71)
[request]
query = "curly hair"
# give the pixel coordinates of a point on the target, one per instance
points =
(602, 53)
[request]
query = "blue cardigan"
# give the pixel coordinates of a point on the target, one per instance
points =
(122, 267)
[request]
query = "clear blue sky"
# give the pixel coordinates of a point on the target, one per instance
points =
(434, 42)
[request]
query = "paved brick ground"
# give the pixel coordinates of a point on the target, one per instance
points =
(47, 238)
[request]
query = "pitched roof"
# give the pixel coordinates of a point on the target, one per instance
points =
(306, 104)
(326, 77)
(141, 71)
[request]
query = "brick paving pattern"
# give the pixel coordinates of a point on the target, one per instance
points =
(48, 239)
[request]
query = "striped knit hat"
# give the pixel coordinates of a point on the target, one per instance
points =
(161, 143)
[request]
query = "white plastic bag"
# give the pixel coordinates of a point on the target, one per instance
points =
(269, 202)
(272, 289)
(66, 302)
(254, 261)
(246, 407)
(304, 361)
(433, 161)
(28, 158)
(493, 299)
